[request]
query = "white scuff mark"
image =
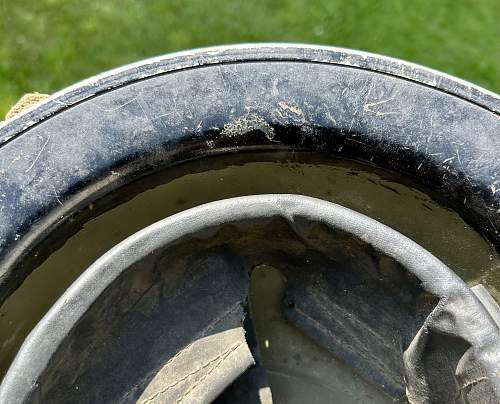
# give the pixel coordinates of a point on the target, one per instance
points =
(161, 115)
(198, 127)
(358, 141)
(345, 90)
(38, 155)
(368, 107)
(493, 189)
(348, 60)
(222, 78)
(13, 161)
(119, 106)
(462, 167)
(352, 121)
(274, 90)
(55, 195)
(57, 198)
(214, 52)
(448, 160)
(7, 138)
(144, 111)
(329, 116)
(245, 124)
(491, 222)
(370, 87)
(291, 108)
(372, 104)
(430, 136)
(458, 158)
(64, 104)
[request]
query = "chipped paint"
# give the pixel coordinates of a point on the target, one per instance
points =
(248, 123)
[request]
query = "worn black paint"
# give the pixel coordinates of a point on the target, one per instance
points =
(103, 133)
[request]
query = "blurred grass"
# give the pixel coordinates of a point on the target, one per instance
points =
(46, 45)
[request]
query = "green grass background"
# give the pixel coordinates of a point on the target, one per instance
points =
(46, 45)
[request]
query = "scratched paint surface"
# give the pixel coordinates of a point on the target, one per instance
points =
(373, 192)
(436, 138)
